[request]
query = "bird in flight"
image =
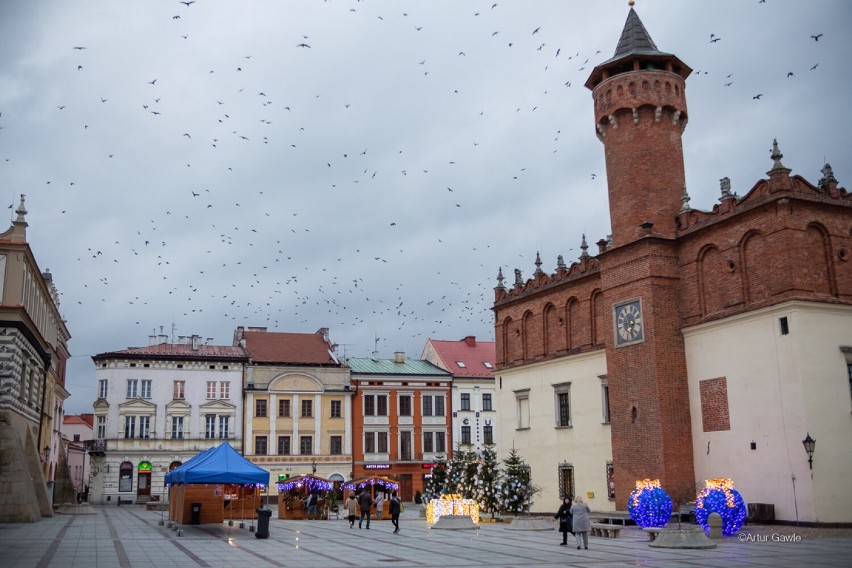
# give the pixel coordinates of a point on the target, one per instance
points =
(82, 47)
(154, 82)
(816, 37)
(815, 66)
(188, 3)
(757, 96)
(790, 74)
(303, 45)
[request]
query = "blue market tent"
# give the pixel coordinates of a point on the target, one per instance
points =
(221, 464)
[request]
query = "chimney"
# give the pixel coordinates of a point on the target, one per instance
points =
(152, 340)
(324, 332)
(399, 357)
(375, 355)
(470, 340)
(162, 339)
(195, 339)
(208, 341)
(238, 335)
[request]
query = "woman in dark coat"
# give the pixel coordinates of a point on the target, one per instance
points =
(565, 519)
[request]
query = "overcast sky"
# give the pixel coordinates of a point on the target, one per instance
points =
(363, 166)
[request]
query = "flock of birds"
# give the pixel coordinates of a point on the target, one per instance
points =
(235, 249)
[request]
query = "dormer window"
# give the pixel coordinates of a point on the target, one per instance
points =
(488, 365)
(461, 364)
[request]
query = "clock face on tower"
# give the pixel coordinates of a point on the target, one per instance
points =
(627, 318)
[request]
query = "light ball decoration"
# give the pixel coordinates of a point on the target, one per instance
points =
(649, 505)
(719, 496)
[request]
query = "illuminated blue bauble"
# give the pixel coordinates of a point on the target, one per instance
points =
(720, 497)
(649, 505)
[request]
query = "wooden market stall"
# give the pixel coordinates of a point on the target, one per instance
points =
(214, 485)
(375, 485)
(293, 493)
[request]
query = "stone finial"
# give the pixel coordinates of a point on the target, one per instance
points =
(584, 247)
(538, 269)
(725, 186)
(519, 281)
(21, 211)
(684, 199)
(560, 263)
(500, 279)
(776, 156)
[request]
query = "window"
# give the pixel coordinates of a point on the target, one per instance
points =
(486, 402)
(146, 389)
(284, 408)
(465, 435)
(283, 445)
(375, 405)
(336, 446)
(101, 427)
(562, 400)
(102, 388)
(428, 448)
(465, 401)
(129, 427)
(433, 405)
(336, 408)
(522, 408)
(144, 426)
(488, 435)
(405, 445)
(307, 408)
(566, 480)
(440, 442)
(405, 405)
(488, 365)
(382, 444)
(77, 439)
(211, 390)
(177, 427)
(260, 445)
(224, 426)
(461, 364)
(210, 426)
(180, 390)
(306, 445)
(260, 408)
(132, 388)
(369, 405)
(369, 442)
(381, 405)
(605, 399)
(224, 389)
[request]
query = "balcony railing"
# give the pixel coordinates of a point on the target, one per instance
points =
(96, 446)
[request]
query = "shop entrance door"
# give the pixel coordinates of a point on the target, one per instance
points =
(405, 492)
(143, 487)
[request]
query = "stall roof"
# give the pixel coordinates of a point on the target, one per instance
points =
(221, 464)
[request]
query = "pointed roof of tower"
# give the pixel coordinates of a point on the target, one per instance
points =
(635, 43)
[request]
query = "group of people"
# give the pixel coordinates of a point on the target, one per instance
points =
(574, 519)
(362, 503)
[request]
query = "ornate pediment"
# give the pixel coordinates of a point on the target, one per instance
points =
(295, 382)
(137, 406)
(178, 407)
(218, 407)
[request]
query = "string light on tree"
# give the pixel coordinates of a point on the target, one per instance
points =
(649, 505)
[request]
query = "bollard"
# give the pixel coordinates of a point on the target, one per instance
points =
(161, 522)
(242, 525)
(180, 533)
(714, 521)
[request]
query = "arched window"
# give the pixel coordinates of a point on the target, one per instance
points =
(125, 477)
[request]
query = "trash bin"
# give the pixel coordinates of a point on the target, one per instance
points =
(263, 523)
(195, 515)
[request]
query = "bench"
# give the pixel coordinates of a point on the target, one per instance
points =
(652, 532)
(605, 530)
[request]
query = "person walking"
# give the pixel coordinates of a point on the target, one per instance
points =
(365, 501)
(395, 508)
(581, 522)
(565, 519)
(352, 509)
(311, 505)
(380, 503)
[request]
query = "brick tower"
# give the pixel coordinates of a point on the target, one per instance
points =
(640, 114)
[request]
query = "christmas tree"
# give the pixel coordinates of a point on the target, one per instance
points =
(516, 487)
(437, 484)
(487, 481)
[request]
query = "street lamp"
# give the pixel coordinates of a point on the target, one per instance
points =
(809, 444)
(314, 466)
(46, 452)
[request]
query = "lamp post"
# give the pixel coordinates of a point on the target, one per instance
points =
(809, 444)
(314, 466)
(46, 452)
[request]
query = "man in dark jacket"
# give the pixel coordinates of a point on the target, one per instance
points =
(365, 501)
(394, 511)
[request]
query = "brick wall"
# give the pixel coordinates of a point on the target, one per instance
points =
(715, 416)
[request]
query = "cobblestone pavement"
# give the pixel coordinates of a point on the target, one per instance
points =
(131, 536)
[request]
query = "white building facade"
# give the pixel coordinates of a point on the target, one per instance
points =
(157, 407)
